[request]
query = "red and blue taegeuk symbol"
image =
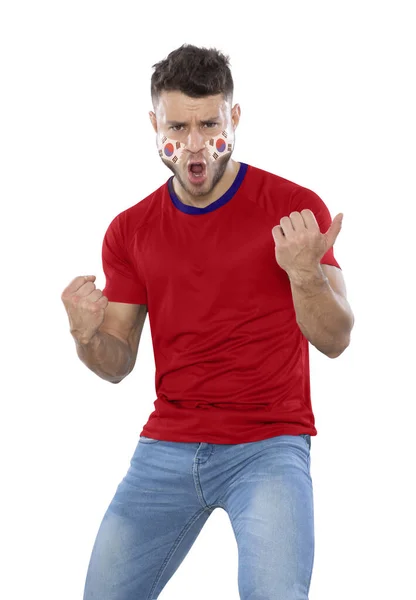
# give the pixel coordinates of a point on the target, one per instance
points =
(220, 145)
(169, 149)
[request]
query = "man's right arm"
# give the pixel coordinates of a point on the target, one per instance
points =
(107, 356)
(112, 351)
(106, 334)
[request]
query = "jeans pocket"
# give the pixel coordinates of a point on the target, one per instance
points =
(307, 438)
(146, 440)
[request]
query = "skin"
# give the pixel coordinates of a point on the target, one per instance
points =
(106, 334)
(176, 106)
(319, 293)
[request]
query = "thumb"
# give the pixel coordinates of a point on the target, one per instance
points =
(334, 229)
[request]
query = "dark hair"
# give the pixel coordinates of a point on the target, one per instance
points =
(193, 71)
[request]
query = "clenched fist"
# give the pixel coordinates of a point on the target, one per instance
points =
(300, 245)
(85, 306)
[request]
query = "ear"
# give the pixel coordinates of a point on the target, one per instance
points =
(153, 120)
(235, 115)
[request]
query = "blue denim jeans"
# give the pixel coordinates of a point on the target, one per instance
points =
(166, 497)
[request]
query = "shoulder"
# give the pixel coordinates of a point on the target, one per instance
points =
(126, 223)
(275, 193)
(271, 180)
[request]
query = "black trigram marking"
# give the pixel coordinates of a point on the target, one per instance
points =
(211, 141)
(215, 156)
(164, 138)
(175, 159)
(160, 153)
(178, 145)
(229, 147)
(224, 133)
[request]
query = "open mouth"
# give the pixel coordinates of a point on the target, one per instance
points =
(197, 172)
(197, 168)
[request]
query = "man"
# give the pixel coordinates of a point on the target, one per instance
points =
(236, 268)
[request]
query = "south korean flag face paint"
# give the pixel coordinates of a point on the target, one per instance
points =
(220, 145)
(169, 149)
(172, 150)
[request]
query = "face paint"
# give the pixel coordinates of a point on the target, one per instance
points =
(218, 145)
(170, 149)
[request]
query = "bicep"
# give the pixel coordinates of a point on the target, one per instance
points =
(125, 321)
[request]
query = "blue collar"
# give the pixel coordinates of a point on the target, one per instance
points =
(193, 210)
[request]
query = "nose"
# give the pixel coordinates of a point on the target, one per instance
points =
(195, 141)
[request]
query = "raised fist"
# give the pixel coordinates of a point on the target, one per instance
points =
(85, 306)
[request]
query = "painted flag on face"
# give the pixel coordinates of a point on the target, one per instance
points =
(169, 149)
(220, 145)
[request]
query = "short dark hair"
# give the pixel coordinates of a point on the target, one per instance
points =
(194, 71)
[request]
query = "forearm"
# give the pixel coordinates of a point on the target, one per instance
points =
(107, 356)
(323, 316)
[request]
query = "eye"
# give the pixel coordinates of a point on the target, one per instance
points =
(176, 127)
(210, 125)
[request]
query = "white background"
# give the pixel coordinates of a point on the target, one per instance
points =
(327, 100)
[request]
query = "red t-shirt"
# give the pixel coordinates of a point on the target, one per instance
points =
(232, 365)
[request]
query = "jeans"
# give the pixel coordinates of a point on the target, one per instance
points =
(166, 497)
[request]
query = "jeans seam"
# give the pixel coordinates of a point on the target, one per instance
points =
(174, 547)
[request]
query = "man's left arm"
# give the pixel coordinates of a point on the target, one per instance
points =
(318, 290)
(322, 311)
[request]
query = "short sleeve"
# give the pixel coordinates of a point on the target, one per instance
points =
(305, 198)
(123, 280)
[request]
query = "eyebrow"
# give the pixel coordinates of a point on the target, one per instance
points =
(203, 122)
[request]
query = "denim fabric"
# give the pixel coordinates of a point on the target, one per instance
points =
(168, 494)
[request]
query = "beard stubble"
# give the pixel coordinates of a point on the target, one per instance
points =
(221, 165)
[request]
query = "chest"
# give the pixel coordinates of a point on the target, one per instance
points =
(219, 259)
